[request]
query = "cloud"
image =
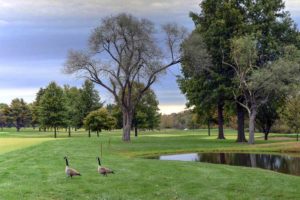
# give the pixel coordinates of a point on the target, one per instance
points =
(293, 6)
(7, 94)
(38, 34)
(74, 9)
(171, 108)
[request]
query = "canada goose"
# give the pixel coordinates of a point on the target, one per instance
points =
(103, 170)
(70, 171)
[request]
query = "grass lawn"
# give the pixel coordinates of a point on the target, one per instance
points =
(32, 167)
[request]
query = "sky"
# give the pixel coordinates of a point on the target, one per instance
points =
(35, 37)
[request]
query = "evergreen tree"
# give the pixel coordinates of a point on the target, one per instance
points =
(19, 113)
(52, 107)
(72, 95)
(89, 100)
(35, 109)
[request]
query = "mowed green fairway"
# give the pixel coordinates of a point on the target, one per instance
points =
(35, 170)
(10, 144)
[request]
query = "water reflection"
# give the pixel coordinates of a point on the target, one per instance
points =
(280, 163)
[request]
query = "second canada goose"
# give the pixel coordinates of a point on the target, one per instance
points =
(70, 172)
(103, 170)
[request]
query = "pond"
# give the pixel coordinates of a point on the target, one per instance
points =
(280, 163)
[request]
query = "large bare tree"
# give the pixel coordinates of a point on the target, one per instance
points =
(123, 51)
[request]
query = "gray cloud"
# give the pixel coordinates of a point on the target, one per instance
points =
(35, 36)
(20, 10)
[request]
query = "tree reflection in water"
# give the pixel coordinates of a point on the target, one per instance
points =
(280, 163)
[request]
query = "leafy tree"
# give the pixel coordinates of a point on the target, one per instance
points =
(115, 111)
(258, 84)
(146, 114)
(291, 113)
(124, 51)
(218, 23)
(52, 107)
(19, 113)
(267, 115)
(211, 85)
(98, 120)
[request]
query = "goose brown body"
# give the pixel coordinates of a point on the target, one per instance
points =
(103, 170)
(70, 172)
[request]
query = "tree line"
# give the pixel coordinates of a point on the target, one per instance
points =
(72, 108)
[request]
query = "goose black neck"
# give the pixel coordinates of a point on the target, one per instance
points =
(99, 161)
(67, 163)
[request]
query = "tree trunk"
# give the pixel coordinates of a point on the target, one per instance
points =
(208, 127)
(266, 135)
(69, 131)
(97, 133)
(127, 122)
(220, 121)
(18, 127)
(89, 132)
(252, 117)
(240, 122)
(54, 132)
(135, 131)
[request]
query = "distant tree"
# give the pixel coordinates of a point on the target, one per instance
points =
(98, 120)
(206, 116)
(116, 112)
(3, 116)
(267, 116)
(291, 113)
(146, 115)
(19, 113)
(88, 100)
(166, 121)
(52, 108)
(72, 96)
(123, 51)
(181, 120)
(90, 97)
(35, 109)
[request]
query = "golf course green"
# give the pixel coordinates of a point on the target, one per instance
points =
(32, 167)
